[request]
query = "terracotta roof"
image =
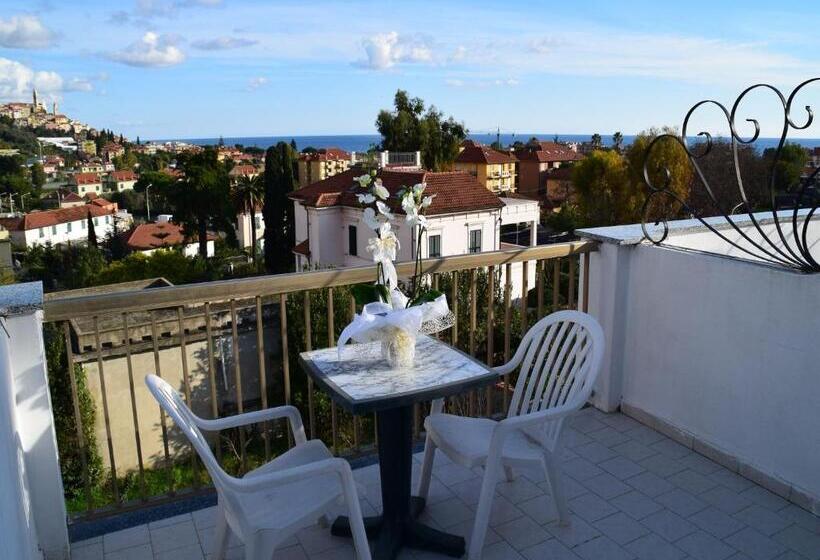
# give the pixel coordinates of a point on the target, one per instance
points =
(34, 220)
(86, 178)
(547, 152)
(66, 195)
(325, 154)
(102, 203)
(155, 235)
(173, 172)
(123, 176)
(303, 248)
(456, 191)
(482, 154)
(243, 170)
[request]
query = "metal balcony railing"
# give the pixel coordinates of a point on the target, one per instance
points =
(232, 346)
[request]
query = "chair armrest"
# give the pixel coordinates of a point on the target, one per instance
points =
(255, 417)
(536, 418)
(334, 465)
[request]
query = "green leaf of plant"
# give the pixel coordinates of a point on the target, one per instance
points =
(426, 297)
(369, 293)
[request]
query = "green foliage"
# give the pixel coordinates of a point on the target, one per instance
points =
(92, 233)
(169, 264)
(567, 218)
(59, 383)
(13, 175)
(369, 293)
(279, 180)
(38, 175)
(425, 296)
(246, 195)
(409, 128)
(62, 268)
(789, 167)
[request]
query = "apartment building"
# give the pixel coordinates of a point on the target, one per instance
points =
(62, 225)
(494, 169)
(164, 234)
(118, 181)
(86, 182)
(536, 163)
(319, 165)
(243, 228)
(238, 171)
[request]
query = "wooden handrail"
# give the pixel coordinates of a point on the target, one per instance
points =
(60, 308)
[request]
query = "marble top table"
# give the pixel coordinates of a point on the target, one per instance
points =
(362, 382)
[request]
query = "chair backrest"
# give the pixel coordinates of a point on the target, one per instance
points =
(559, 358)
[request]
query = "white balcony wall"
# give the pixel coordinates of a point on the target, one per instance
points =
(721, 353)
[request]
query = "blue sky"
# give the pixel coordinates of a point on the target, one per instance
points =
(201, 68)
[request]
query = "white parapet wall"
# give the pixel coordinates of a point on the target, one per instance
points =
(32, 508)
(720, 353)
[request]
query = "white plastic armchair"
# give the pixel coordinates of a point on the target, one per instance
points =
(558, 361)
(272, 502)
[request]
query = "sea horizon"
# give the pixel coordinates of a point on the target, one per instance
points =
(364, 142)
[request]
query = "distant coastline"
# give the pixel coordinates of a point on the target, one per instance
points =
(363, 142)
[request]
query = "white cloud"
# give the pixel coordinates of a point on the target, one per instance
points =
(152, 50)
(481, 82)
(169, 8)
(257, 82)
(17, 80)
(25, 32)
(223, 43)
(385, 50)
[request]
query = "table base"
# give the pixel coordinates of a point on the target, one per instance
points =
(391, 537)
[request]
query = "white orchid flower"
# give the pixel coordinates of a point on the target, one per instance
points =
(384, 210)
(363, 180)
(380, 191)
(366, 198)
(384, 249)
(427, 201)
(409, 205)
(369, 217)
(419, 188)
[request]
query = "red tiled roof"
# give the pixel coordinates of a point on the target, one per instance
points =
(86, 178)
(34, 220)
(101, 202)
(244, 170)
(303, 248)
(547, 152)
(152, 236)
(123, 176)
(482, 154)
(173, 172)
(455, 191)
(325, 154)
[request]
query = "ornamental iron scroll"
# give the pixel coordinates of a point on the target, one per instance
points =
(792, 208)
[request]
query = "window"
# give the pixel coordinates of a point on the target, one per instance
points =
(434, 246)
(96, 221)
(41, 232)
(475, 241)
(83, 224)
(257, 222)
(68, 227)
(106, 219)
(352, 245)
(54, 230)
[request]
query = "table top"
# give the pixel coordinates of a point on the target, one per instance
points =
(361, 381)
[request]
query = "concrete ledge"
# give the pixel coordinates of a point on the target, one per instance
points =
(738, 465)
(19, 299)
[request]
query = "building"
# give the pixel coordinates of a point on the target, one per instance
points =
(494, 169)
(84, 183)
(243, 228)
(62, 225)
(118, 181)
(536, 162)
(558, 188)
(91, 167)
(321, 164)
(238, 171)
(164, 234)
(464, 218)
(67, 199)
(112, 150)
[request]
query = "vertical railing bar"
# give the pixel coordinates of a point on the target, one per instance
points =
(283, 333)
(525, 271)
(356, 427)
(539, 273)
(331, 338)
(162, 421)
(454, 307)
(212, 377)
(571, 295)
(308, 348)
(507, 325)
(490, 332)
(472, 338)
(556, 283)
(186, 383)
(237, 377)
(98, 348)
(585, 303)
(137, 438)
(78, 417)
(263, 379)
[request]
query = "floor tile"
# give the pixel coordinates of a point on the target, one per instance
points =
(716, 523)
(171, 537)
(634, 450)
(652, 547)
(126, 538)
(636, 505)
(725, 499)
(800, 540)
(681, 502)
(621, 528)
(763, 497)
(140, 552)
(691, 481)
(189, 552)
(580, 469)
(591, 507)
(522, 533)
(662, 465)
(595, 452)
(762, 519)
(577, 532)
(606, 486)
(89, 551)
(703, 546)
(621, 467)
(650, 484)
(552, 549)
(668, 525)
(602, 548)
(755, 544)
(500, 551)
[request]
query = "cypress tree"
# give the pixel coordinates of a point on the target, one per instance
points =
(92, 234)
(280, 179)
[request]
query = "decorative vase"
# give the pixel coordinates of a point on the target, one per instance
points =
(398, 347)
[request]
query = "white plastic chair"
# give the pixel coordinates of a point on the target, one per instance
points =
(272, 502)
(559, 357)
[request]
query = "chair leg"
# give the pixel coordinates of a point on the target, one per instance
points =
(355, 518)
(482, 516)
(553, 473)
(427, 467)
(509, 474)
(221, 534)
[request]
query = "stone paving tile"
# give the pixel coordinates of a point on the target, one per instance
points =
(188, 552)
(652, 547)
(636, 505)
(650, 484)
(602, 548)
(725, 499)
(577, 532)
(645, 435)
(591, 508)
(127, 538)
(139, 552)
(580, 469)
(703, 546)
(634, 450)
(595, 452)
(170, 537)
(763, 497)
(668, 525)
(681, 502)
(662, 465)
(716, 523)
(765, 521)
(522, 533)
(609, 436)
(755, 544)
(519, 490)
(621, 528)
(800, 540)
(607, 486)
(692, 481)
(803, 518)
(731, 480)
(621, 467)
(552, 549)
(87, 551)
(500, 551)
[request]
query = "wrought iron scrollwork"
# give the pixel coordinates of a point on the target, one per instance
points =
(792, 209)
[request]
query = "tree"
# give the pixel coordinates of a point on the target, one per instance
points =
(38, 175)
(789, 166)
(202, 198)
(92, 234)
(408, 128)
(596, 141)
(604, 195)
(246, 195)
(293, 145)
(279, 180)
(617, 141)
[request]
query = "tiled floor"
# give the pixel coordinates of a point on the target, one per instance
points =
(633, 492)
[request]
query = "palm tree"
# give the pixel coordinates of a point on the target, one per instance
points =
(617, 141)
(247, 195)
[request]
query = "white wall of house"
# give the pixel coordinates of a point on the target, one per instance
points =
(721, 353)
(74, 232)
(243, 229)
(83, 190)
(120, 186)
(189, 249)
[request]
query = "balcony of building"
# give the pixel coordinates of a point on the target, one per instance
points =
(701, 439)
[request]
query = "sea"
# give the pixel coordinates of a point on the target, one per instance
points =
(363, 142)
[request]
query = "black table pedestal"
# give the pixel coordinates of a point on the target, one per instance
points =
(398, 527)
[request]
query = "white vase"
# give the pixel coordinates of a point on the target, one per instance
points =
(398, 348)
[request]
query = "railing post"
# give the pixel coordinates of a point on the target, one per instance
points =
(27, 432)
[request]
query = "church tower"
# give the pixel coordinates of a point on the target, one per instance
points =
(34, 97)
